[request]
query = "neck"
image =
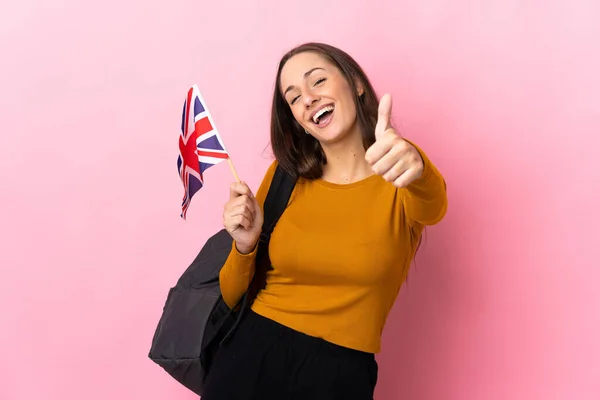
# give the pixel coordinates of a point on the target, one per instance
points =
(345, 161)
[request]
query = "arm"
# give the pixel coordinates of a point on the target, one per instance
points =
(238, 270)
(425, 199)
(396, 159)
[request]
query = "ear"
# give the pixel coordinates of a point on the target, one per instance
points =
(360, 90)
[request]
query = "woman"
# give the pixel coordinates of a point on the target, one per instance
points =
(342, 248)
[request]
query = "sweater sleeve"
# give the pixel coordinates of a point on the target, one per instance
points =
(238, 270)
(425, 199)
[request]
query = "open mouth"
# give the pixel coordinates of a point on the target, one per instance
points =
(323, 116)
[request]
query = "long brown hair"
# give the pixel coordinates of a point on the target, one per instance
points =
(300, 154)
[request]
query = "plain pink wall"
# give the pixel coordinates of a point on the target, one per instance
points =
(504, 95)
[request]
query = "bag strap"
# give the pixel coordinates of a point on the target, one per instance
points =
(281, 188)
(278, 197)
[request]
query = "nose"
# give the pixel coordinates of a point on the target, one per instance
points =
(310, 99)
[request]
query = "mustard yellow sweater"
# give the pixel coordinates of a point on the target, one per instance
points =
(340, 254)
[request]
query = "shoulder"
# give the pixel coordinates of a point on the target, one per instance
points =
(266, 181)
(272, 167)
(270, 173)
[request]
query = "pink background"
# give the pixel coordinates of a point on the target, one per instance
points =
(504, 95)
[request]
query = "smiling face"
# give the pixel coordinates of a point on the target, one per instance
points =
(309, 77)
(320, 98)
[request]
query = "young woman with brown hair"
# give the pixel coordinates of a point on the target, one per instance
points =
(342, 248)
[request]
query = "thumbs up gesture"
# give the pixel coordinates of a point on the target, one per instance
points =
(392, 157)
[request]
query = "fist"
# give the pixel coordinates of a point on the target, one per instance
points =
(242, 217)
(392, 157)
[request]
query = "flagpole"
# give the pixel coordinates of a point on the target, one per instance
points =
(233, 170)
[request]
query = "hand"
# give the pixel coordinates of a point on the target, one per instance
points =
(394, 158)
(242, 217)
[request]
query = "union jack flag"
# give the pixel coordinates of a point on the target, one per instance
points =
(200, 146)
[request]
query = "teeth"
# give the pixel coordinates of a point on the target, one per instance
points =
(321, 112)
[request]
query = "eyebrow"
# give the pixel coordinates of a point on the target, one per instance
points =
(306, 74)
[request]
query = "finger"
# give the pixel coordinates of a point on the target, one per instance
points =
(238, 201)
(234, 223)
(378, 149)
(390, 160)
(239, 189)
(249, 211)
(242, 210)
(406, 178)
(243, 221)
(383, 115)
(257, 212)
(396, 171)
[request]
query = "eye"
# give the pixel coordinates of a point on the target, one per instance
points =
(319, 81)
(294, 99)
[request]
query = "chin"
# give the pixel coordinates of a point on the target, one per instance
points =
(334, 134)
(330, 136)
